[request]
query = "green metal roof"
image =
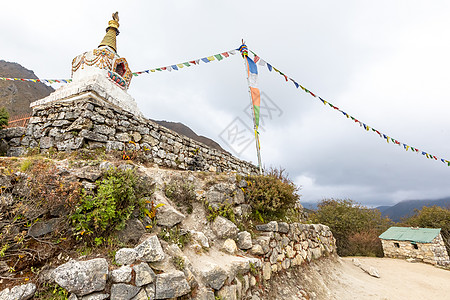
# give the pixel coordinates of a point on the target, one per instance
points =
(418, 235)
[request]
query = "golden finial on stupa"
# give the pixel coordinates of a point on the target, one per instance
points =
(111, 32)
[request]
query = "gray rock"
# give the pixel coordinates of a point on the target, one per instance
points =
(271, 226)
(228, 292)
(132, 232)
(126, 256)
(71, 297)
(204, 294)
(46, 142)
(43, 227)
(114, 145)
(82, 277)
(19, 292)
(121, 275)
(79, 124)
(104, 129)
(213, 276)
(166, 215)
(242, 184)
(150, 290)
(106, 165)
(94, 296)
(93, 136)
(142, 295)
(70, 144)
(224, 228)
(230, 246)
(283, 227)
(123, 137)
(122, 291)
(171, 285)
(257, 250)
(144, 274)
(245, 240)
(200, 237)
(89, 173)
(150, 250)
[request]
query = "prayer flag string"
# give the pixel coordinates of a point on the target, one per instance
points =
(363, 125)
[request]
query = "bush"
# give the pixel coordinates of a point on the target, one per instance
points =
(271, 195)
(432, 217)
(117, 195)
(4, 117)
(182, 193)
(355, 227)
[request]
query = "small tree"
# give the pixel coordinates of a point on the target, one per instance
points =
(4, 117)
(432, 217)
(355, 227)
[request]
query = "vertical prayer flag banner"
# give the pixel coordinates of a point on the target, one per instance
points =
(252, 70)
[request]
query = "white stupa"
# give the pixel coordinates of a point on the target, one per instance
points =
(100, 74)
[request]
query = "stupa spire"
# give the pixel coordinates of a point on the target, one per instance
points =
(111, 32)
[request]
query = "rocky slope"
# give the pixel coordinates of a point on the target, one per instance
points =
(184, 246)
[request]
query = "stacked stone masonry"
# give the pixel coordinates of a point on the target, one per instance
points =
(433, 253)
(89, 123)
(277, 247)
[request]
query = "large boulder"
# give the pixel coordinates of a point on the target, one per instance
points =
(82, 277)
(171, 285)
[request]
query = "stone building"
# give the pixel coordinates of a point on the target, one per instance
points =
(424, 244)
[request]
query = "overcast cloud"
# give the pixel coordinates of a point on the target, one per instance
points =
(384, 62)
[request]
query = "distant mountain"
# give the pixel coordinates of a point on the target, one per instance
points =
(16, 96)
(309, 205)
(184, 130)
(406, 208)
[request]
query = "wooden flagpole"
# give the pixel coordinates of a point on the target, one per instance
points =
(258, 145)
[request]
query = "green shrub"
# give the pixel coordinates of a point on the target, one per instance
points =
(271, 195)
(355, 227)
(4, 117)
(117, 195)
(432, 217)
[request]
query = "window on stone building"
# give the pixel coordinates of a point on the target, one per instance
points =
(396, 245)
(415, 246)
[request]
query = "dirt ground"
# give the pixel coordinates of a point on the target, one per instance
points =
(337, 278)
(399, 279)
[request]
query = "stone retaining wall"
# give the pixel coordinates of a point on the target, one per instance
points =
(90, 123)
(137, 274)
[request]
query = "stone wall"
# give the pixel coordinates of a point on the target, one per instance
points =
(434, 253)
(90, 123)
(138, 273)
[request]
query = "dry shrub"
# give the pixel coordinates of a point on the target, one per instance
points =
(365, 243)
(271, 195)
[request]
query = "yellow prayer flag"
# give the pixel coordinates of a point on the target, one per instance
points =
(180, 66)
(210, 58)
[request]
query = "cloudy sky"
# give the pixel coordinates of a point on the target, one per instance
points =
(384, 62)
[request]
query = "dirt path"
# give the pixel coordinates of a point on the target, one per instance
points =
(399, 279)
